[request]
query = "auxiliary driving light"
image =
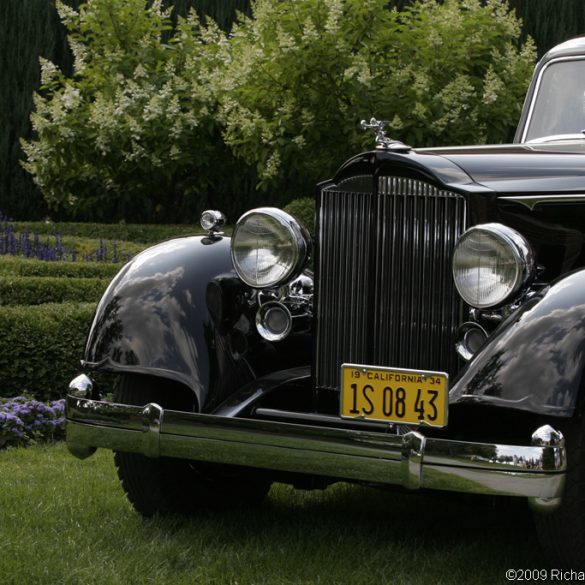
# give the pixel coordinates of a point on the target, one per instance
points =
(273, 321)
(470, 338)
(211, 220)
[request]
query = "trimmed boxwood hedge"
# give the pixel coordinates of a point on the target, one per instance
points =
(304, 210)
(40, 347)
(28, 267)
(36, 290)
(140, 233)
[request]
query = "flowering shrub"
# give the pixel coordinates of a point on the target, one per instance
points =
(301, 75)
(153, 118)
(133, 131)
(24, 420)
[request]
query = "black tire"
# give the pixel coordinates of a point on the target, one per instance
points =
(178, 486)
(562, 532)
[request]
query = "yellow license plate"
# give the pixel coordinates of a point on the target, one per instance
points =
(394, 395)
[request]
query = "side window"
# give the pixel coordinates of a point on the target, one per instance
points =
(559, 106)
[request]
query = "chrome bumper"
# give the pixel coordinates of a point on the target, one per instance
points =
(411, 460)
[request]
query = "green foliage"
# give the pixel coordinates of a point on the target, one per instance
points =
(120, 232)
(133, 132)
(304, 210)
(17, 266)
(302, 74)
(29, 29)
(224, 12)
(40, 347)
(141, 126)
(35, 290)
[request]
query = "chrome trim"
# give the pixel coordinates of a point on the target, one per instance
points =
(556, 138)
(521, 250)
(81, 387)
(384, 142)
(531, 201)
(300, 239)
(152, 418)
(413, 448)
(211, 220)
(324, 419)
(296, 298)
(261, 315)
(461, 345)
(412, 460)
(537, 88)
(546, 436)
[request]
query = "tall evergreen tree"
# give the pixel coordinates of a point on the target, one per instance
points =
(550, 22)
(27, 30)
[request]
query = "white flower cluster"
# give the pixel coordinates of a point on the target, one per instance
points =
(284, 91)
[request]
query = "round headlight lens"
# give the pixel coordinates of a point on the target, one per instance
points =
(269, 247)
(491, 264)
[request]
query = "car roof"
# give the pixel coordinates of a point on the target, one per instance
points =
(571, 47)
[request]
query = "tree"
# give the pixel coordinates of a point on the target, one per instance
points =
(133, 131)
(154, 116)
(302, 74)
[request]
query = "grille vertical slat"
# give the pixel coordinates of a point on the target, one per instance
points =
(385, 292)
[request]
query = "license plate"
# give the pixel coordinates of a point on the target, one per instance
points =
(394, 395)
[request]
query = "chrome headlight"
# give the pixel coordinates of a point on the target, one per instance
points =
(491, 264)
(269, 247)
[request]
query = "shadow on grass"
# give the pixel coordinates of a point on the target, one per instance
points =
(366, 533)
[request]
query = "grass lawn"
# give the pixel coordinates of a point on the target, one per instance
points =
(64, 521)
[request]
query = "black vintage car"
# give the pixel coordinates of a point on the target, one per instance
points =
(436, 342)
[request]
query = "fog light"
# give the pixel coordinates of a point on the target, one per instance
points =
(273, 321)
(471, 337)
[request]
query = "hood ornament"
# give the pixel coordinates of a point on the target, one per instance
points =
(383, 142)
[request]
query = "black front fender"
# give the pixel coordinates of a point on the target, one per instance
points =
(535, 360)
(162, 315)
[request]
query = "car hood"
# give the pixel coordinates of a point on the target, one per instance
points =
(517, 168)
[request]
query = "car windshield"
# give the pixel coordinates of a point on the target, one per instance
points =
(559, 107)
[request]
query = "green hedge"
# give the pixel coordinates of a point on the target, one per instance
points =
(141, 233)
(37, 290)
(40, 347)
(304, 210)
(12, 265)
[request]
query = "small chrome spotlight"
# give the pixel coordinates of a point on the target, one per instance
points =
(82, 387)
(211, 220)
(273, 321)
(471, 337)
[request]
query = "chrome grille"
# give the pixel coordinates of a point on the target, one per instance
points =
(385, 291)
